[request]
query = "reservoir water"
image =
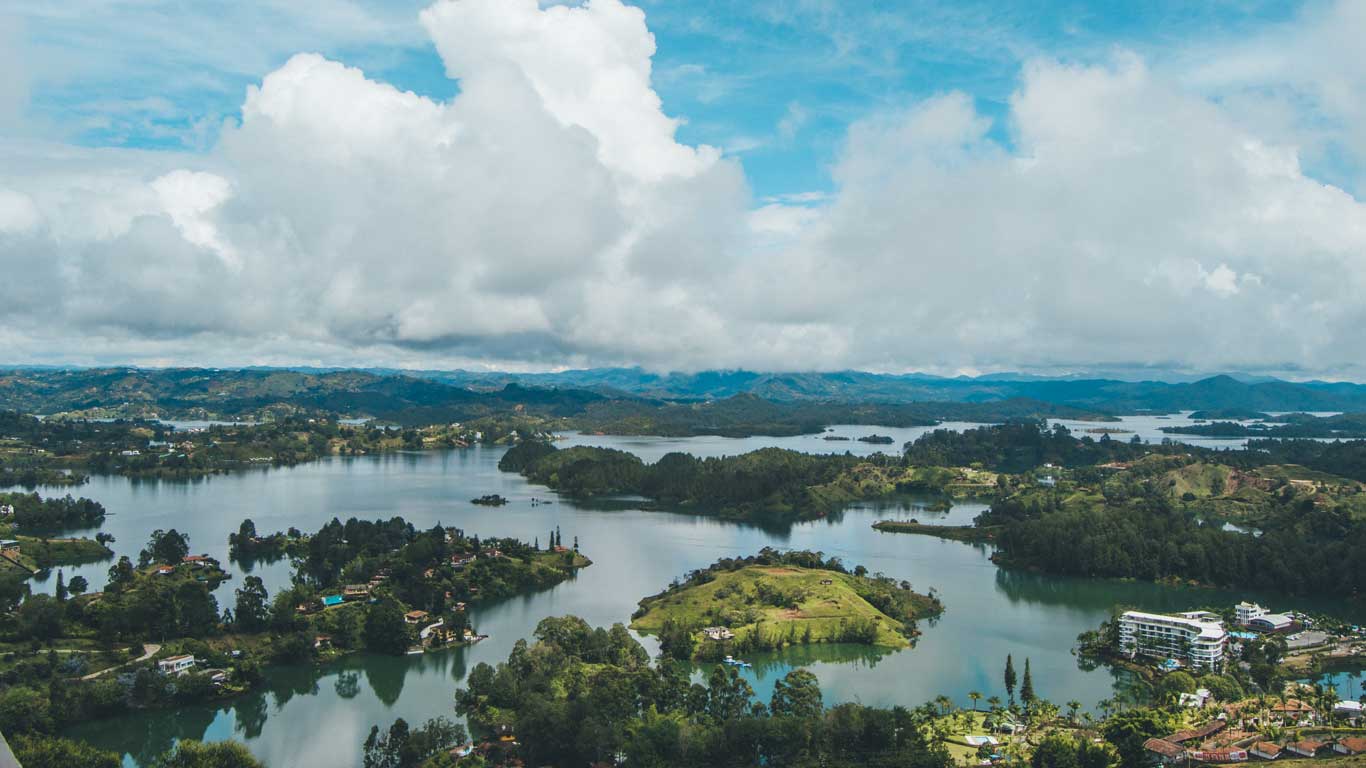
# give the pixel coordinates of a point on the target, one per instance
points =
(318, 716)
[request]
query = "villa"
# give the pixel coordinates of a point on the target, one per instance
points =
(1351, 745)
(356, 591)
(718, 633)
(1165, 751)
(1265, 750)
(1193, 638)
(414, 617)
(176, 665)
(1306, 748)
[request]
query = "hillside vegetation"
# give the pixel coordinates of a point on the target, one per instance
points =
(779, 599)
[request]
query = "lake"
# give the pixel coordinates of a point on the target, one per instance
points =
(318, 716)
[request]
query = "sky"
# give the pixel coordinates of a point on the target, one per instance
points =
(948, 187)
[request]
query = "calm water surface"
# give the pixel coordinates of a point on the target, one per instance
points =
(318, 716)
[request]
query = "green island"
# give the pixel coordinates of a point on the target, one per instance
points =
(156, 636)
(769, 485)
(777, 599)
(27, 522)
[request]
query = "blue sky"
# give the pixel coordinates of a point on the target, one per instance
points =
(774, 83)
(925, 185)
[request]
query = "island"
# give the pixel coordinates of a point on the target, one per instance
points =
(766, 486)
(876, 439)
(157, 636)
(778, 599)
(489, 500)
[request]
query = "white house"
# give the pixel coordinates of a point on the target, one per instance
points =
(718, 633)
(1245, 612)
(1348, 709)
(1199, 642)
(175, 665)
(1265, 750)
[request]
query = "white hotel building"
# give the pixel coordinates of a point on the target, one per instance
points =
(1197, 638)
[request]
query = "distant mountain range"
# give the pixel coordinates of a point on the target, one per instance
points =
(465, 394)
(1109, 395)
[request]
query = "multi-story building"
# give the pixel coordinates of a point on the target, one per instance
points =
(1198, 641)
(1245, 612)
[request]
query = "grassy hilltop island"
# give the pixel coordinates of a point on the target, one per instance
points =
(776, 599)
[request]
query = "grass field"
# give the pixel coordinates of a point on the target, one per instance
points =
(744, 600)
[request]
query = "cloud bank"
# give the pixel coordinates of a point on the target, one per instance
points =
(548, 215)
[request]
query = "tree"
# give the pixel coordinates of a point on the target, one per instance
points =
(1055, 751)
(385, 630)
(60, 590)
(40, 617)
(1176, 683)
(1027, 686)
(24, 710)
(169, 547)
(13, 588)
(975, 696)
(1128, 730)
(797, 694)
(34, 751)
(78, 585)
(385, 750)
(250, 612)
(120, 574)
(1010, 678)
(195, 754)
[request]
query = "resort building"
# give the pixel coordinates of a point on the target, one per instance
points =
(415, 617)
(176, 665)
(1305, 748)
(1245, 612)
(1271, 622)
(1164, 751)
(1265, 750)
(1198, 642)
(1350, 745)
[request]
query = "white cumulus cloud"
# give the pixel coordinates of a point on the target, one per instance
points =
(549, 214)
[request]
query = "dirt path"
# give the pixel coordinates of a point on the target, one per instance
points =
(148, 651)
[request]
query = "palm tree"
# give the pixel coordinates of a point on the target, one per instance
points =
(944, 703)
(994, 702)
(975, 696)
(1072, 708)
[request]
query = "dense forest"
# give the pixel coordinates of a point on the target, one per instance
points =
(1302, 547)
(584, 696)
(767, 484)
